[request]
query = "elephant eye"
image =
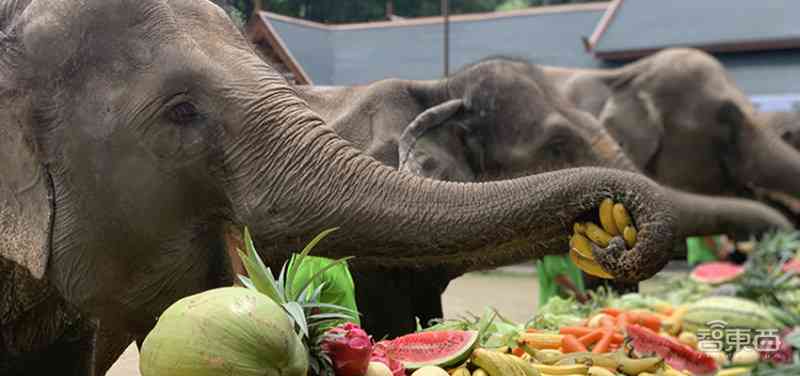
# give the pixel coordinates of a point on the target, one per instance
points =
(183, 113)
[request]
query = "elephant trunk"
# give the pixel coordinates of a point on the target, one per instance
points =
(771, 164)
(296, 177)
(709, 215)
(700, 214)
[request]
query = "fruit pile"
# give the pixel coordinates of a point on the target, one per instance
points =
(281, 327)
(587, 237)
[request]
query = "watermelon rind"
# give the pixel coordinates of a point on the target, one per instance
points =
(716, 272)
(452, 347)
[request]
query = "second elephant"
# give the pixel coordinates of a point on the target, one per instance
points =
(498, 118)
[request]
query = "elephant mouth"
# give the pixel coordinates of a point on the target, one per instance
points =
(783, 199)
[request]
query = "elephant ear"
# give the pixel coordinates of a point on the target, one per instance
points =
(26, 205)
(635, 119)
(430, 146)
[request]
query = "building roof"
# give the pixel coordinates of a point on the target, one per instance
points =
(413, 48)
(636, 28)
(272, 48)
(354, 54)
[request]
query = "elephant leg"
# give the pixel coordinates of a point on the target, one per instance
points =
(385, 301)
(110, 344)
(428, 298)
(50, 336)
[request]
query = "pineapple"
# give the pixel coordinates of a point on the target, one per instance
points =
(301, 304)
(765, 279)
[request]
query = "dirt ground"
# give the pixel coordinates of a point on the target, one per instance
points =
(513, 291)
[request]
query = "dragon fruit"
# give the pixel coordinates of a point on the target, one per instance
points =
(784, 351)
(349, 347)
(380, 354)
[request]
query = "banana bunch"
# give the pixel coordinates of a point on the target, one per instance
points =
(553, 362)
(499, 364)
(615, 221)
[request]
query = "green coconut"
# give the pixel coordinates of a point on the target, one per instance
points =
(225, 331)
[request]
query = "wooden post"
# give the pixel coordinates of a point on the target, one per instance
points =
(256, 6)
(446, 14)
(389, 9)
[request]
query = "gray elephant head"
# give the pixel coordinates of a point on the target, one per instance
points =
(134, 132)
(683, 121)
(786, 124)
(506, 120)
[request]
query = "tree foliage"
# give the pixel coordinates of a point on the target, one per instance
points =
(341, 11)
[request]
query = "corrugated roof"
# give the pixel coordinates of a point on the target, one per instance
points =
(638, 27)
(413, 49)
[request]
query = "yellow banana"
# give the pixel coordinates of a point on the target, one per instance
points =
(634, 367)
(607, 218)
(673, 372)
(621, 217)
(591, 267)
(597, 234)
(629, 234)
(736, 371)
(588, 358)
(579, 228)
(546, 356)
(525, 366)
(599, 371)
(480, 372)
(579, 369)
(499, 364)
(581, 244)
(674, 322)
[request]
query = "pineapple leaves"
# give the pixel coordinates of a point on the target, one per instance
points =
(302, 305)
(319, 274)
(259, 274)
(298, 316)
(299, 260)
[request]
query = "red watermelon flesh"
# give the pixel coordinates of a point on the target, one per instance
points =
(440, 348)
(792, 266)
(716, 272)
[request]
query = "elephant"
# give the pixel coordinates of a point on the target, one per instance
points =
(134, 133)
(785, 124)
(683, 121)
(496, 119)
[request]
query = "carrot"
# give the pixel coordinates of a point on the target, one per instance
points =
(570, 344)
(617, 338)
(607, 323)
(531, 330)
(518, 351)
(645, 319)
(623, 320)
(590, 338)
(603, 345)
(576, 331)
(612, 311)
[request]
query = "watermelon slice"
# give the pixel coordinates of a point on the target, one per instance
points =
(716, 272)
(442, 348)
(792, 265)
(677, 355)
